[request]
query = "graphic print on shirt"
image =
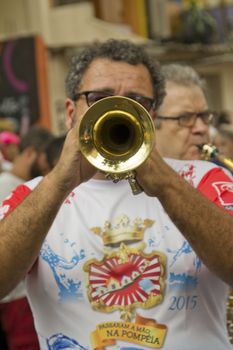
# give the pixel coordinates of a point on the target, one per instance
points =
(60, 342)
(126, 279)
(188, 173)
(183, 281)
(224, 191)
(67, 286)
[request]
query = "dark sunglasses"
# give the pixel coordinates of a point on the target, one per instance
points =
(94, 96)
(189, 119)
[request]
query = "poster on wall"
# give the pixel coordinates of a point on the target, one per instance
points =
(23, 84)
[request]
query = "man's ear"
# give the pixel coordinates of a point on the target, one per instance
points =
(70, 113)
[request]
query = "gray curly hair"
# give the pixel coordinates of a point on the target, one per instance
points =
(183, 75)
(117, 50)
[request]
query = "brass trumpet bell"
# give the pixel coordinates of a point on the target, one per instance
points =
(116, 135)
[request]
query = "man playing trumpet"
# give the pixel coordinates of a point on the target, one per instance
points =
(109, 269)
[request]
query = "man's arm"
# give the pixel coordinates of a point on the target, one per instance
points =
(24, 229)
(208, 228)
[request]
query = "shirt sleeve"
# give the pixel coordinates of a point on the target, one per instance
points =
(218, 187)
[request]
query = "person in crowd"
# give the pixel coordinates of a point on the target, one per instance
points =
(223, 117)
(54, 149)
(222, 127)
(183, 119)
(3, 344)
(190, 122)
(15, 314)
(223, 140)
(9, 147)
(108, 268)
(186, 92)
(27, 164)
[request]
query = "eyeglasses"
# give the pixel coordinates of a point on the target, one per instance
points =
(94, 96)
(189, 119)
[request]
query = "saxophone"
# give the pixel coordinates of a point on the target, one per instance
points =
(210, 152)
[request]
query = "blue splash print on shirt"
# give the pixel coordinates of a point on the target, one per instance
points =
(130, 348)
(68, 287)
(184, 280)
(184, 249)
(197, 263)
(154, 242)
(61, 342)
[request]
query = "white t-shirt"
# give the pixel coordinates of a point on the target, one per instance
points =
(115, 272)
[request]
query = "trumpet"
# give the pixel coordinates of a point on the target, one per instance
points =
(116, 135)
(211, 153)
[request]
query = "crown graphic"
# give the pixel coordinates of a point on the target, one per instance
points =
(122, 230)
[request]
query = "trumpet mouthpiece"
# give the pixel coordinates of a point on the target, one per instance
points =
(200, 147)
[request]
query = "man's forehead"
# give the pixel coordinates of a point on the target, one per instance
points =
(186, 95)
(105, 73)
